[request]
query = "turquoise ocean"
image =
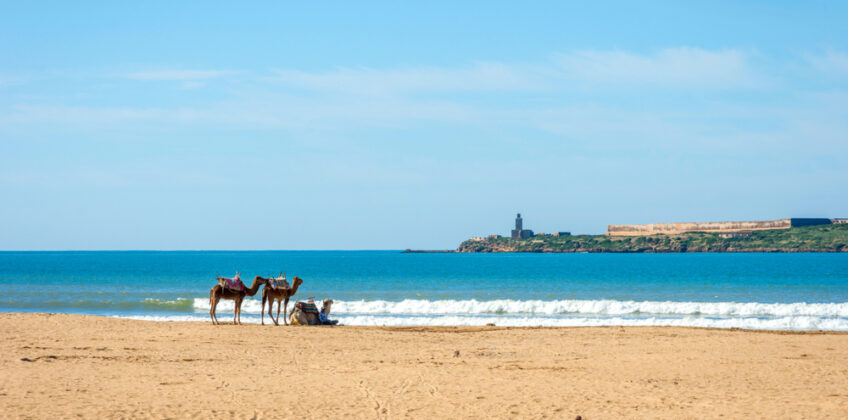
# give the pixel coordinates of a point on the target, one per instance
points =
(761, 291)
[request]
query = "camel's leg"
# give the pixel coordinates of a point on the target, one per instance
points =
(213, 303)
(271, 310)
(239, 314)
(278, 312)
(262, 309)
(241, 301)
(211, 306)
(271, 301)
(235, 310)
(285, 311)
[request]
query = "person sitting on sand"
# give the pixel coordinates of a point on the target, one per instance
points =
(323, 316)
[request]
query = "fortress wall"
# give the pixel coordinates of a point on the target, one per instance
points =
(676, 228)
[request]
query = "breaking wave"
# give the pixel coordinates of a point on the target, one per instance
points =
(564, 313)
(779, 323)
(563, 307)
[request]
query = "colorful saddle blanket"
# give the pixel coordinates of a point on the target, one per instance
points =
(234, 284)
(306, 307)
(278, 283)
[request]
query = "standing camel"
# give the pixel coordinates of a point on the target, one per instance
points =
(281, 294)
(217, 293)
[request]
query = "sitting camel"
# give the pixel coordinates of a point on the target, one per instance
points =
(218, 292)
(281, 294)
(299, 317)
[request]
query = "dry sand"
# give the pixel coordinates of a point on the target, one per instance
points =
(95, 367)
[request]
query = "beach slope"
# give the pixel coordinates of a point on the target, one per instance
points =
(93, 367)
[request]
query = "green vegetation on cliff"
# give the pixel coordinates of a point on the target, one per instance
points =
(825, 238)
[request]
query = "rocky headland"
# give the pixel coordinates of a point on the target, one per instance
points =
(825, 238)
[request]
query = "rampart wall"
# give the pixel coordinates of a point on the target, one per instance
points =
(715, 227)
(676, 228)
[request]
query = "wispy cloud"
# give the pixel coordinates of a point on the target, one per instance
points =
(494, 77)
(179, 75)
(6, 80)
(832, 62)
(582, 96)
(686, 68)
(268, 111)
(675, 67)
(84, 116)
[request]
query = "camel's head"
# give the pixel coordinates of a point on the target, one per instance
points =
(297, 281)
(260, 280)
(327, 304)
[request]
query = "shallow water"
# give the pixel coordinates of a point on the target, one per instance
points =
(771, 291)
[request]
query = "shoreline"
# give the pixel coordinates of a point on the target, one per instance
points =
(799, 316)
(722, 314)
(501, 323)
(434, 328)
(94, 366)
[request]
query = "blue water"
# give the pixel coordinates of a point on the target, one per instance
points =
(778, 291)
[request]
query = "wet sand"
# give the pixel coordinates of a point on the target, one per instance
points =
(95, 367)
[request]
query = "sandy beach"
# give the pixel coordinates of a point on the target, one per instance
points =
(95, 367)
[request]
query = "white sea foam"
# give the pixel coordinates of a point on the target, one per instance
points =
(777, 323)
(782, 323)
(562, 313)
(561, 307)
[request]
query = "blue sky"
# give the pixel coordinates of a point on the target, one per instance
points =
(391, 125)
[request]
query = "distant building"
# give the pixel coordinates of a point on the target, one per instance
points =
(494, 237)
(728, 235)
(519, 232)
(562, 233)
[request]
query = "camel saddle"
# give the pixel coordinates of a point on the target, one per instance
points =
(279, 283)
(232, 284)
(306, 307)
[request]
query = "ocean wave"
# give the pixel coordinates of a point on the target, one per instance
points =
(779, 323)
(562, 307)
(106, 304)
(179, 304)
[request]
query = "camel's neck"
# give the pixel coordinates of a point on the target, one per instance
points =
(253, 287)
(294, 289)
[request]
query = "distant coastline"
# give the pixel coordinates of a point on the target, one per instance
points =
(428, 251)
(823, 238)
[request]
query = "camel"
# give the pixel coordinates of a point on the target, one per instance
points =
(279, 295)
(217, 293)
(299, 317)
